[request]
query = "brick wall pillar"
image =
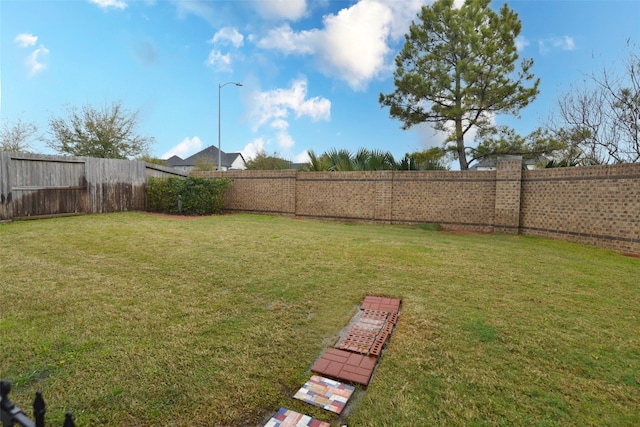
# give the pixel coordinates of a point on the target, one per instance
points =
(289, 204)
(384, 196)
(508, 185)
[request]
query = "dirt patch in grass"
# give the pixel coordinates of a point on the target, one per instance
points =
(172, 216)
(632, 255)
(465, 232)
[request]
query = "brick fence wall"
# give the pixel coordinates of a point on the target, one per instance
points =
(599, 205)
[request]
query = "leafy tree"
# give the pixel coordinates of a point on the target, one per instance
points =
(457, 70)
(263, 161)
(106, 133)
(17, 135)
(573, 152)
(601, 118)
(150, 159)
(502, 140)
(431, 159)
(205, 164)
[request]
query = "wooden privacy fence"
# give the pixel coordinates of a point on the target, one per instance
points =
(36, 186)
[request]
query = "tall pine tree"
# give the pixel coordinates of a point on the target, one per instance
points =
(458, 68)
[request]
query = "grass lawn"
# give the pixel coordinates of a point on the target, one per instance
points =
(135, 320)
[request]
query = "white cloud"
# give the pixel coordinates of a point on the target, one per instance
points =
(34, 61)
(259, 145)
(204, 9)
(280, 124)
(356, 42)
(225, 36)
(427, 137)
(185, 148)
(25, 40)
(288, 42)
(403, 12)
(218, 61)
(353, 45)
(521, 43)
(556, 43)
(291, 10)
(251, 149)
(105, 4)
(302, 157)
(276, 105)
(285, 140)
(228, 35)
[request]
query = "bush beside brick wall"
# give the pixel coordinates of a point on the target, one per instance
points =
(268, 192)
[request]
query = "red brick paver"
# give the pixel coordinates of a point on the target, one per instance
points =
(353, 361)
(359, 340)
(344, 365)
(390, 305)
(369, 334)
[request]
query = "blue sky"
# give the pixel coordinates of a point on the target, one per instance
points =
(311, 71)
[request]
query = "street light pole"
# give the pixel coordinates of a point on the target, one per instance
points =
(220, 86)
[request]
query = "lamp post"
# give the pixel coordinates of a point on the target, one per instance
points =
(220, 86)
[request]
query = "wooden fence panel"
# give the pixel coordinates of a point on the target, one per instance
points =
(34, 185)
(116, 185)
(5, 188)
(46, 186)
(158, 171)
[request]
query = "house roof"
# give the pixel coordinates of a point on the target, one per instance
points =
(209, 153)
(174, 161)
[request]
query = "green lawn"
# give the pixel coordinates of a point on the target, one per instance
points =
(136, 320)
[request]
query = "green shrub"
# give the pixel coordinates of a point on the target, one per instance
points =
(186, 196)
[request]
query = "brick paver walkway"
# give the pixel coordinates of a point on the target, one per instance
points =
(352, 359)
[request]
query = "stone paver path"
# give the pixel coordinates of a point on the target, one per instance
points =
(352, 359)
(325, 393)
(288, 418)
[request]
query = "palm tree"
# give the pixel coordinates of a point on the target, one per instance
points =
(343, 160)
(317, 163)
(381, 160)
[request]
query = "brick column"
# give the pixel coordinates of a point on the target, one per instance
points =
(289, 204)
(384, 196)
(508, 185)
